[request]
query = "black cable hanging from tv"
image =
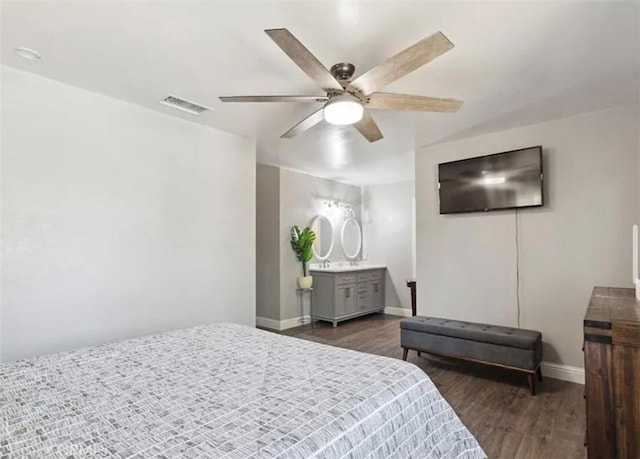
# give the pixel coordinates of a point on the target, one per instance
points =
(517, 267)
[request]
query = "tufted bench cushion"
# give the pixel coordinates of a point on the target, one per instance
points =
(513, 348)
(483, 333)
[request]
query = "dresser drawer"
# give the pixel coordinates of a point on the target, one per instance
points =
(375, 275)
(363, 277)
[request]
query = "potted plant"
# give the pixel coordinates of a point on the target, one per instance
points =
(301, 243)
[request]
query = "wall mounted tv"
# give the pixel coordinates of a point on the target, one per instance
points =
(506, 180)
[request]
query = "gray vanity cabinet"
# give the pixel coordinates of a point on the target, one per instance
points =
(343, 295)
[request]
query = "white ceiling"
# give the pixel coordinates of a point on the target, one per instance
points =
(514, 63)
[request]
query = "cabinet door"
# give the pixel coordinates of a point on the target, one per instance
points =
(376, 294)
(323, 293)
(345, 299)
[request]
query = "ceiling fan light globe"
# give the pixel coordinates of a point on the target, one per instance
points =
(343, 111)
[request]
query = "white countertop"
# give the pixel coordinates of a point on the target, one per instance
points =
(346, 268)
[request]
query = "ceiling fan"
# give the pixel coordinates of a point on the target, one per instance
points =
(346, 101)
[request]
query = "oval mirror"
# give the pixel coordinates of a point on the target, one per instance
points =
(323, 246)
(351, 238)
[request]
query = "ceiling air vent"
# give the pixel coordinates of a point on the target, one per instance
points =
(184, 105)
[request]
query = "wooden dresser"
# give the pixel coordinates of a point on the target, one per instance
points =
(612, 373)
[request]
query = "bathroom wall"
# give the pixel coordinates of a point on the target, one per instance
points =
(302, 197)
(295, 198)
(389, 238)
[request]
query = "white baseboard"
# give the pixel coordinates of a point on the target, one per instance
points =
(280, 325)
(403, 312)
(295, 322)
(264, 322)
(562, 372)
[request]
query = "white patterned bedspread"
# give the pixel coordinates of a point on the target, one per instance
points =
(224, 390)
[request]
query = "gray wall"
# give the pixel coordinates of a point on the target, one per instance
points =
(301, 198)
(268, 242)
(291, 198)
(581, 238)
(387, 220)
(117, 221)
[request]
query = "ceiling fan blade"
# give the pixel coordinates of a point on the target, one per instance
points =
(390, 101)
(304, 59)
(305, 124)
(368, 127)
(401, 64)
(274, 98)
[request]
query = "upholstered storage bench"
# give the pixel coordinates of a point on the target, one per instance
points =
(512, 348)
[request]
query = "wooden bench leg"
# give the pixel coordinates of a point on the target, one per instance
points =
(532, 383)
(418, 353)
(405, 351)
(539, 373)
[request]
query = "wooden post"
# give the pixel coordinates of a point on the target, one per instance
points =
(411, 283)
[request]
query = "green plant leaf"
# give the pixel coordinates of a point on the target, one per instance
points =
(302, 243)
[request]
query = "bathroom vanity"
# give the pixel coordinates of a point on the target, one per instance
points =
(346, 292)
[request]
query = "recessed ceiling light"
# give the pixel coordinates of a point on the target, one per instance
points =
(27, 53)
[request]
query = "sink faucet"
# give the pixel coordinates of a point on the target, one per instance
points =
(326, 263)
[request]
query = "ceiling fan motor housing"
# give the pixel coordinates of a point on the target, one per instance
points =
(343, 71)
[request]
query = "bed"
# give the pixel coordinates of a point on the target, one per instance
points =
(224, 390)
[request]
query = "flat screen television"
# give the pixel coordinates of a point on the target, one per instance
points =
(506, 180)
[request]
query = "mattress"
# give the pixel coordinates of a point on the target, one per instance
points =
(224, 390)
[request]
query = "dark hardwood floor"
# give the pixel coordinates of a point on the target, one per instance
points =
(494, 404)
